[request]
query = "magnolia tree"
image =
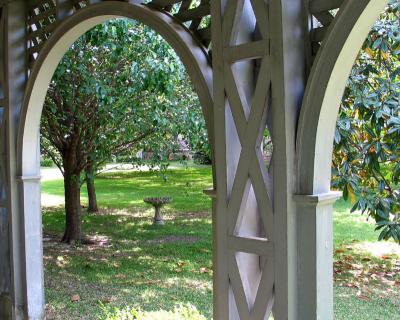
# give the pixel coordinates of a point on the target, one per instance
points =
(118, 89)
(366, 164)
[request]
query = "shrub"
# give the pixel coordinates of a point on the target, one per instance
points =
(46, 163)
(201, 158)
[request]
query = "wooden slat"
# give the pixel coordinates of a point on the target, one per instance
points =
(41, 16)
(324, 17)
(159, 4)
(254, 245)
(204, 33)
(3, 203)
(251, 50)
(47, 29)
(36, 3)
(318, 34)
(199, 12)
(317, 6)
(36, 49)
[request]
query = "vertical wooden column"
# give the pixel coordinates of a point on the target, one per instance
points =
(244, 215)
(315, 247)
(259, 63)
(288, 56)
(5, 270)
(27, 293)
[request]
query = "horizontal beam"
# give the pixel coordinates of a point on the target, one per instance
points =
(317, 6)
(317, 199)
(254, 245)
(324, 17)
(251, 50)
(212, 193)
(162, 3)
(32, 178)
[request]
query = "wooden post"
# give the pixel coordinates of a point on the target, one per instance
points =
(26, 241)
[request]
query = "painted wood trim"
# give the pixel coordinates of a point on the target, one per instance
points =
(254, 245)
(252, 50)
(33, 178)
(318, 199)
(325, 5)
(212, 193)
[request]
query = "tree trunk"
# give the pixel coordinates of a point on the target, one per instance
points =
(72, 209)
(91, 190)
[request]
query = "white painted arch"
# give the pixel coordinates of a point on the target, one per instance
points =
(325, 87)
(192, 55)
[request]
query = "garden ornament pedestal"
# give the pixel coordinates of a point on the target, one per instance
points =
(158, 203)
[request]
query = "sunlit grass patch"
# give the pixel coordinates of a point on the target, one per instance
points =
(155, 268)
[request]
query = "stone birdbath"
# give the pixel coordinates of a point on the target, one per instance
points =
(158, 203)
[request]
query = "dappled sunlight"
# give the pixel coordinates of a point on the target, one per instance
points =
(126, 190)
(49, 200)
(379, 249)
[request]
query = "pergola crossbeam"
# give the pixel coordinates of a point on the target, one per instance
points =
(318, 6)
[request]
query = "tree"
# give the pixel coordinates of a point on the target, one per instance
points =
(119, 88)
(366, 159)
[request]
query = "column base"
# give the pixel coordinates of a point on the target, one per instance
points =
(5, 307)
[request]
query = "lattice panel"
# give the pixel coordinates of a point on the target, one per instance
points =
(41, 23)
(42, 19)
(246, 53)
(323, 13)
(194, 14)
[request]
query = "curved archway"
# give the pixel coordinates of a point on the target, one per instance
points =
(190, 52)
(324, 91)
(192, 55)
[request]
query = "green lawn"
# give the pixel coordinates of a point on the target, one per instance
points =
(156, 268)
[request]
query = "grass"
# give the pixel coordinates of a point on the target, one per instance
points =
(157, 268)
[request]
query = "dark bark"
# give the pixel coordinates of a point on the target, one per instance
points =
(73, 221)
(91, 190)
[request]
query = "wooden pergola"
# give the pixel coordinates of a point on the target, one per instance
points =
(279, 65)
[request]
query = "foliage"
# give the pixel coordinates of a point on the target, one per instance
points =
(180, 312)
(202, 157)
(120, 88)
(47, 163)
(127, 89)
(366, 164)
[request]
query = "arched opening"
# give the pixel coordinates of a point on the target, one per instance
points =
(191, 54)
(315, 135)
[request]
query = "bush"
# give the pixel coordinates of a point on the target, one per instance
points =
(47, 163)
(181, 312)
(201, 158)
